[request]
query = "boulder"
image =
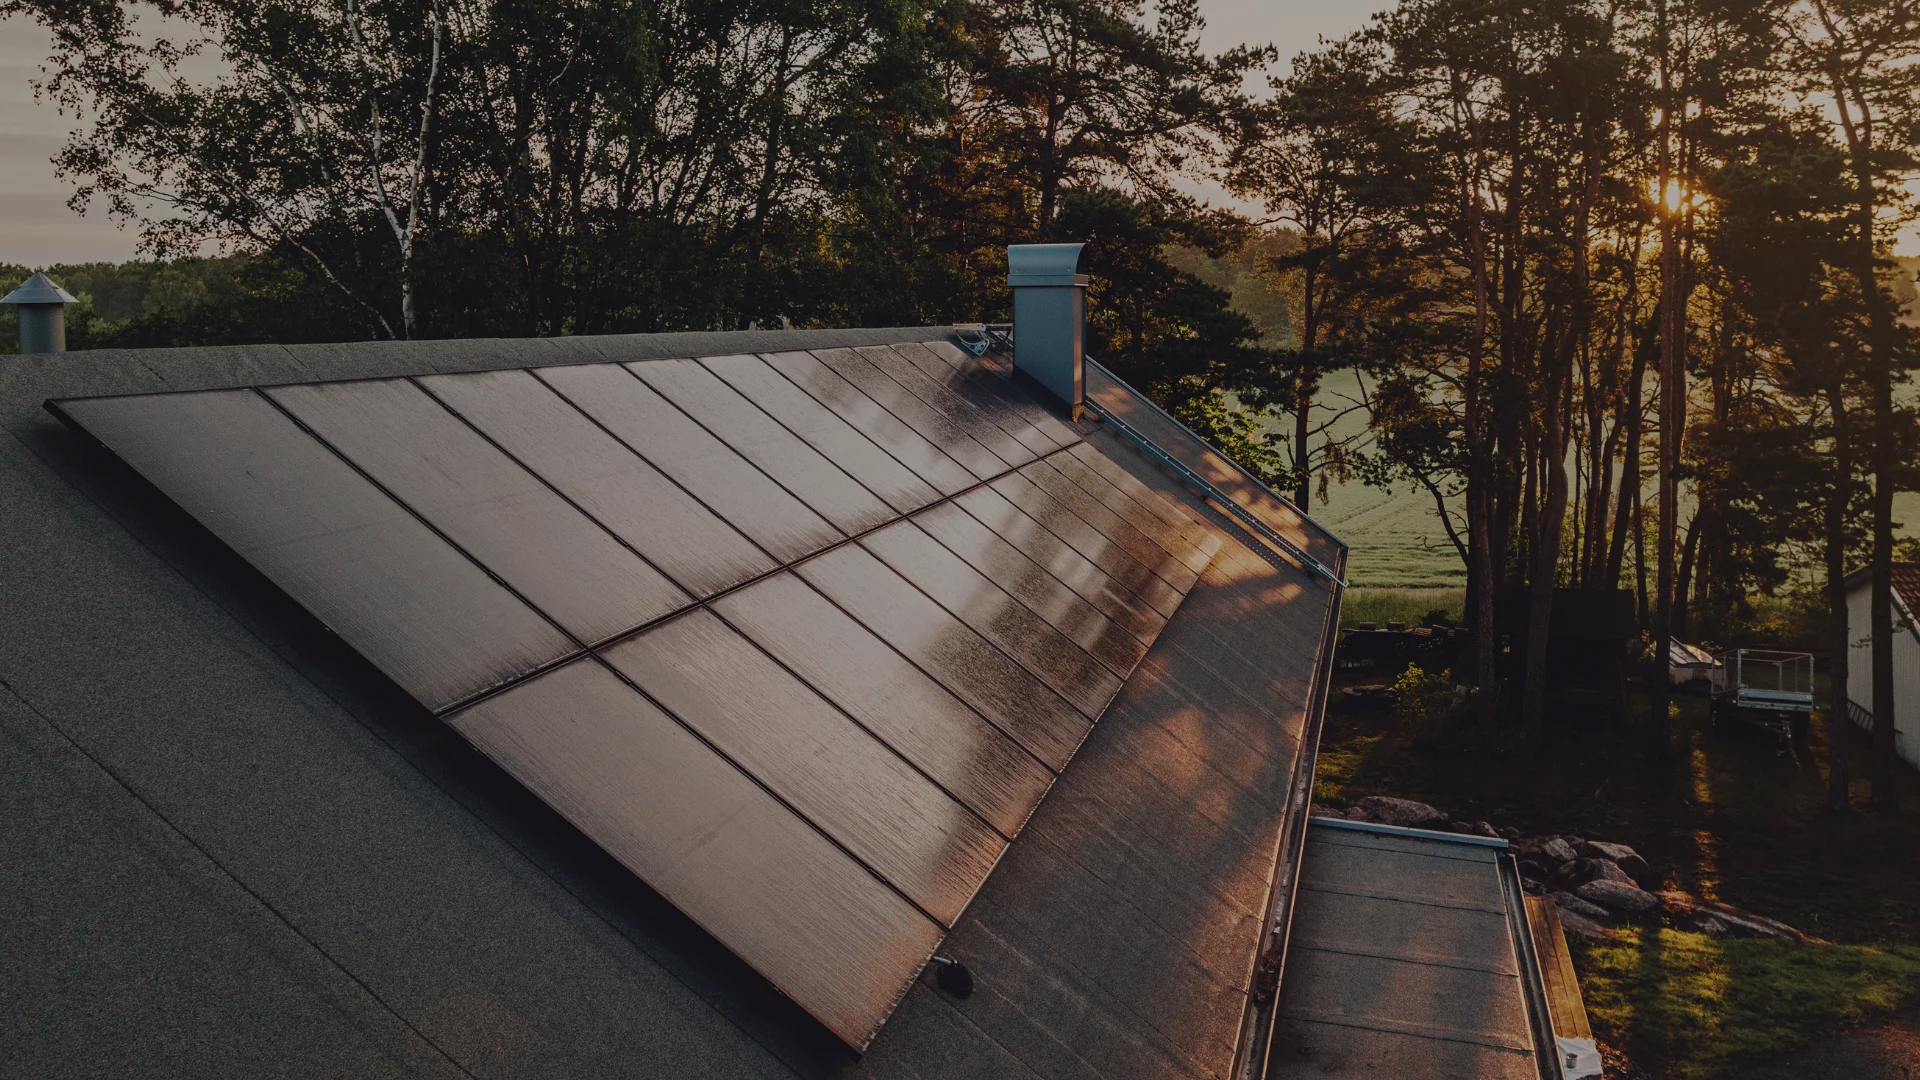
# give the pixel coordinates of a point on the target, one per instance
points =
(1627, 858)
(1617, 896)
(1574, 923)
(1585, 870)
(1551, 849)
(1405, 813)
(1328, 811)
(1533, 887)
(1702, 923)
(1569, 904)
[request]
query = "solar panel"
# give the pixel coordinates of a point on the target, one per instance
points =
(717, 845)
(761, 439)
(1188, 541)
(837, 648)
(998, 617)
(1015, 700)
(1004, 565)
(1171, 568)
(903, 706)
(846, 447)
(712, 472)
(965, 375)
(868, 416)
(423, 613)
(1073, 569)
(970, 418)
(952, 439)
(817, 760)
(564, 563)
(1089, 542)
(671, 528)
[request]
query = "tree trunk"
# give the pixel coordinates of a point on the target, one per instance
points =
(1689, 551)
(1839, 714)
(1634, 408)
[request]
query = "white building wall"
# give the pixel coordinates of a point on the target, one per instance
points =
(1906, 672)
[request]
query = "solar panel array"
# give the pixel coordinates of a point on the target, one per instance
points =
(802, 639)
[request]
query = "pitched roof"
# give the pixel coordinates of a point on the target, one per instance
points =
(306, 834)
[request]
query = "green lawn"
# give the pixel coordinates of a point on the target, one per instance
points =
(1696, 1007)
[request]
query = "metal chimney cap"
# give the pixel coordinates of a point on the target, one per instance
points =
(39, 289)
(1045, 264)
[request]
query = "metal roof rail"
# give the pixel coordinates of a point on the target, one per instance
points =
(1246, 517)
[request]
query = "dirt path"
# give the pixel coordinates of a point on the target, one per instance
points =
(1887, 1053)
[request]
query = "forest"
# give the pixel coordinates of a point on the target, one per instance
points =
(1616, 277)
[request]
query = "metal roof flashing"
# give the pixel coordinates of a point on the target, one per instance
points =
(1031, 265)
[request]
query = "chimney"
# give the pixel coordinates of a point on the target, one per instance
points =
(1049, 319)
(43, 314)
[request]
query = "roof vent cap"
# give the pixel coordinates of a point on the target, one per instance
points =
(43, 314)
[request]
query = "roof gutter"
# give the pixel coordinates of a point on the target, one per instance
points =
(1252, 1055)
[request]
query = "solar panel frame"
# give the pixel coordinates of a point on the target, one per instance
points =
(901, 679)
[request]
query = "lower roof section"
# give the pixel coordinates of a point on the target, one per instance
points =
(1410, 956)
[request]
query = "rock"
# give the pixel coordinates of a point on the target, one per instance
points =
(1575, 923)
(1379, 696)
(1550, 848)
(1405, 813)
(1533, 887)
(1616, 896)
(1328, 811)
(1481, 828)
(1747, 924)
(1713, 917)
(1627, 858)
(1585, 870)
(1569, 904)
(1510, 833)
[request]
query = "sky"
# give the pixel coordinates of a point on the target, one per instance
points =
(37, 228)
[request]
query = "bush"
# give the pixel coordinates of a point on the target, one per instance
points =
(1426, 700)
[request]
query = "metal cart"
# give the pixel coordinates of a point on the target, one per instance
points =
(1764, 688)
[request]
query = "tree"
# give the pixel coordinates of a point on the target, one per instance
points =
(1331, 162)
(1864, 56)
